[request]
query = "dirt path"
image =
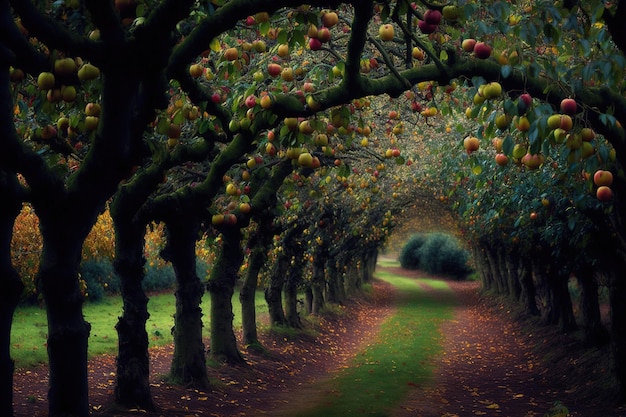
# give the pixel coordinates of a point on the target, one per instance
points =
(490, 368)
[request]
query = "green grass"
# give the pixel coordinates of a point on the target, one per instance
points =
(401, 358)
(30, 331)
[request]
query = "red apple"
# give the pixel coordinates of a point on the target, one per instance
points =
(426, 27)
(482, 50)
(604, 193)
(432, 17)
(602, 177)
(274, 70)
(250, 101)
(315, 44)
(323, 34)
(330, 19)
(502, 159)
(568, 106)
(471, 144)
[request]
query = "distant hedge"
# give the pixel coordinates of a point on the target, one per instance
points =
(436, 253)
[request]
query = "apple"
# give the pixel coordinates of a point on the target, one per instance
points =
(266, 102)
(432, 17)
(482, 50)
(308, 87)
(305, 127)
(63, 123)
(287, 74)
(64, 67)
(312, 31)
(468, 45)
(471, 144)
(250, 101)
(532, 161)
(283, 50)
(274, 70)
(503, 121)
(566, 122)
(602, 177)
(451, 13)
(244, 208)
(502, 159)
(217, 219)
(91, 122)
(291, 123)
(216, 98)
(315, 44)
(323, 34)
(92, 109)
(533, 216)
(519, 151)
(330, 19)
(492, 90)
(231, 189)
(395, 152)
(386, 32)
(523, 124)
(259, 45)
(604, 193)
(231, 54)
(568, 106)
(526, 99)
(270, 149)
(53, 95)
(305, 159)
(196, 70)
(16, 75)
(559, 134)
(312, 103)
(417, 53)
(554, 121)
(45, 81)
(497, 143)
(68, 93)
(321, 139)
(250, 21)
(88, 72)
(426, 27)
(587, 134)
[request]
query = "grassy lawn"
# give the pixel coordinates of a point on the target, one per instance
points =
(29, 333)
(382, 375)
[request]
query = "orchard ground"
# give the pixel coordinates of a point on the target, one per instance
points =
(494, 364)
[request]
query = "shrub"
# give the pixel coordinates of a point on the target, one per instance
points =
(159, 278)
(436, 253)
(409, 255)
(99, 279)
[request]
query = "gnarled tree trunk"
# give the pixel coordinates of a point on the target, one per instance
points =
(188, 362)
(221, 287)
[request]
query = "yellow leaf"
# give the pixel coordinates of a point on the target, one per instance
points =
(493, 406)
(215, 45)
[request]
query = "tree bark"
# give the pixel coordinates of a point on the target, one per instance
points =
(188, 362)
(594, 333)
(274, 291)
(132, 380)
(11, 288)
(259, 245)
(318, 281)
(68, 332)
(528, 294)
(221, 287)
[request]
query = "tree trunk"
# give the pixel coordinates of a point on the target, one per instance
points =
(294, 278)
(259, 245)
(274, 291)
(221, 287)
(594, 333)
(544, 294)
(188, 362)
(512, 263)
(528, 294)
(11, 288)
(332, 286)
(563, 302)
(132, 381)
(68, 332)
(318, 281)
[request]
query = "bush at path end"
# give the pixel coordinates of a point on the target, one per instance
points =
(436, 253)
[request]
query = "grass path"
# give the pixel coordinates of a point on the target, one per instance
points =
(399, 360)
